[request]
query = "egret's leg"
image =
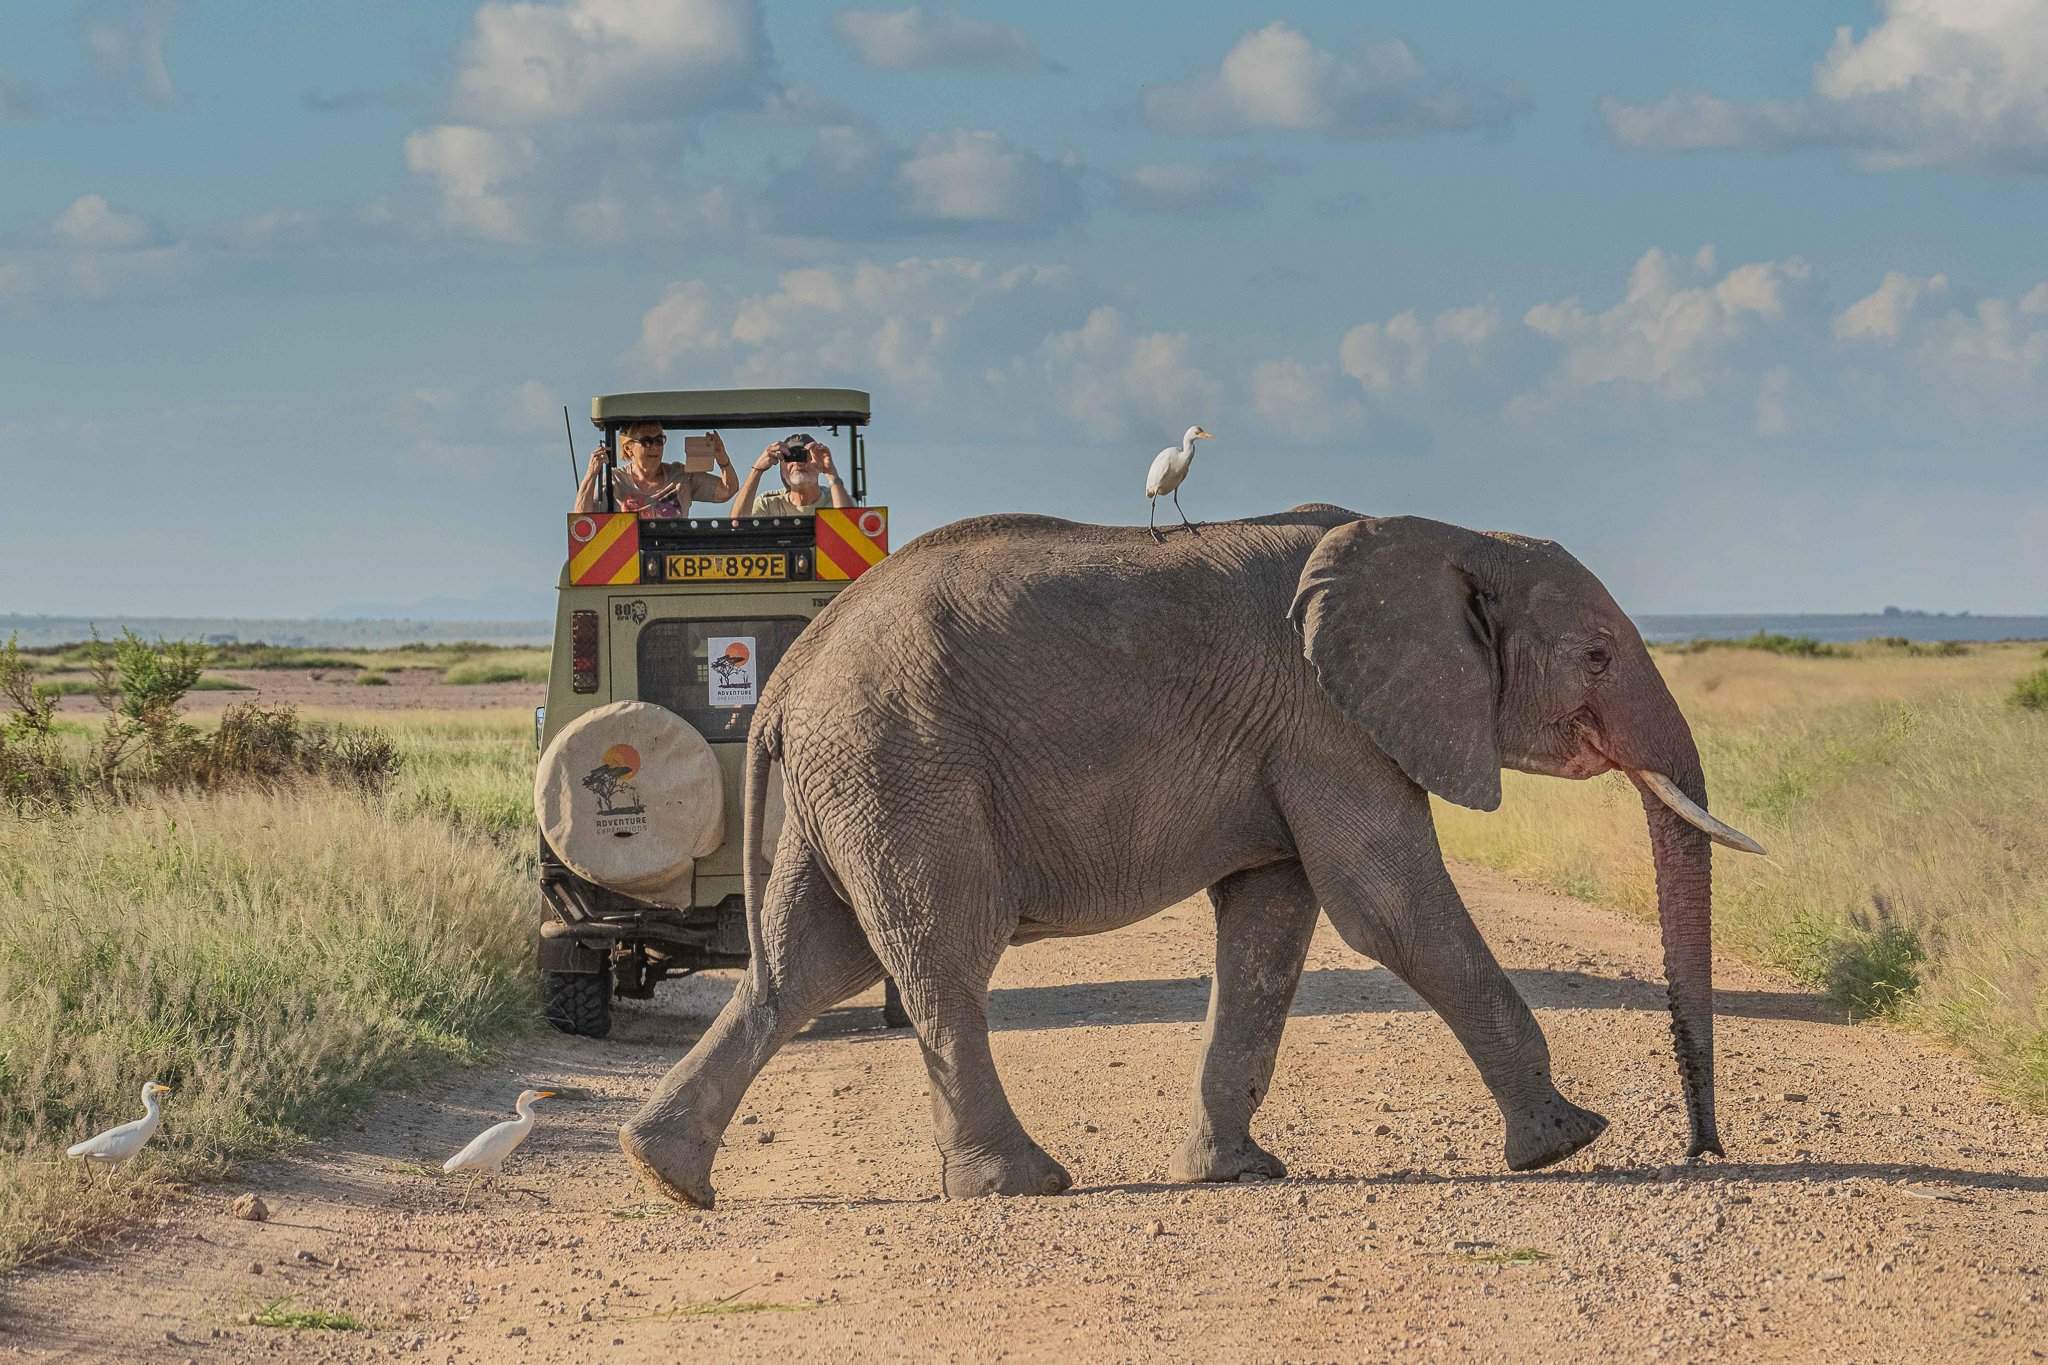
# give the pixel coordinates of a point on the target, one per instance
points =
(1192, 530)
(1152, 522)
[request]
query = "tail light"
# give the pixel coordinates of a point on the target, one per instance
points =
(583, 651)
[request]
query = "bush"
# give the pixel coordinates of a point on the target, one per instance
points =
(2032, 691)
(1796, 646)
(1872, 966)
(1938, 649)
(146, 745)
(372, 680)
(471, 672)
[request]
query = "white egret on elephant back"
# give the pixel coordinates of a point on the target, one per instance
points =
(1169, 469)
(117, 1145)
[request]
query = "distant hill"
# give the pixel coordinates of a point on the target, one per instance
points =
(37, 632)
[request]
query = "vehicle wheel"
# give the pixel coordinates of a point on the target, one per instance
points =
(892, 1006)
(578, 1002)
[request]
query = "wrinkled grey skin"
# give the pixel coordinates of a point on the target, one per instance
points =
(1018, 727)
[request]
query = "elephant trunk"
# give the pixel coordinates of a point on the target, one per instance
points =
(1685, 910)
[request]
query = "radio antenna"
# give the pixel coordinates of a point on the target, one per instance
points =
(570, 432)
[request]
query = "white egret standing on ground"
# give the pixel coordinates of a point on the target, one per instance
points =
(487, 1150)
(1169, 468)
(116, 1145)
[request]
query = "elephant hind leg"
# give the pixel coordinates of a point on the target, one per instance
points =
(1264, 920)
(809, 956)
(941, 947)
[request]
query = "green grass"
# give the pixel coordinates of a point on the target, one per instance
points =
(367, 679)
(472, 769)
(72, 686)
(279, 1313)
(2032, 691)
(280, 957)
(1908, 867)
(530, 666)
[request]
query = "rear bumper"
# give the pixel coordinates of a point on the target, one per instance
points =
(588, 923)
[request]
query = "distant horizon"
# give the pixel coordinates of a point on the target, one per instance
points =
(43, 630)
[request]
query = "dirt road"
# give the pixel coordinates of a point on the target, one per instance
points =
(1875, 1206)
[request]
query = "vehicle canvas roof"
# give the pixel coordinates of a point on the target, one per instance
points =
(733, 407)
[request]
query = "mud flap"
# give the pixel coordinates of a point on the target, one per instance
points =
(565, 954)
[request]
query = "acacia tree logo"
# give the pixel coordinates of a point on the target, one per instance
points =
(611, 781)
(731, 666)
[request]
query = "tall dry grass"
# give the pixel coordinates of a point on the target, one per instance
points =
(1904, 802)
(277, 956)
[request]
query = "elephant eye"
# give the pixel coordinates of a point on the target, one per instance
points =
(1597, 658)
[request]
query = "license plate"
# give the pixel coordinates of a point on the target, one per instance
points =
(699, 568)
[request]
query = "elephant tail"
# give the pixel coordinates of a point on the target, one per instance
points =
(763, 748)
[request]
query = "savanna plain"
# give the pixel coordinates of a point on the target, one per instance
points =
(301, 896)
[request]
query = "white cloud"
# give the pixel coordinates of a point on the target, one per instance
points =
(899, 321)
(1385, 356)
(1187, 187)
(1991, 348)
(626, 59)
(906, 39)
(1276, 78)
(961, 182)
(2034, 303)
(1937, 82)
(1880, 316)
(1292, 398)
(1665, 333)
(1115, 382)
(126, 39)
(93, 224)
(94, 251)
(682, 322)
(471, 168)
(976, 177)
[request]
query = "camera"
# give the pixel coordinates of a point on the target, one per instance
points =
(795, 448)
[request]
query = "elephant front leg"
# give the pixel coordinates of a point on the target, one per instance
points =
(1264, 920)
(1391, 899)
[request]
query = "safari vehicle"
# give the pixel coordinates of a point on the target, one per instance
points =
(665, 631)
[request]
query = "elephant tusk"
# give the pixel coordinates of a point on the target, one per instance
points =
(1667, 791)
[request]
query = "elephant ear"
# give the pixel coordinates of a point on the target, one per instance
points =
(1402, 639)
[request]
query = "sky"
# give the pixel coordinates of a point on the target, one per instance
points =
(1745, 304)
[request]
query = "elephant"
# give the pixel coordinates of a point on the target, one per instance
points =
(1018, 727)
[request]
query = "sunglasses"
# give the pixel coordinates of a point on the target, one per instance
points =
(647, 440)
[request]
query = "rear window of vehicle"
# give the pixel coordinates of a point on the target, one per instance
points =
(711, 672)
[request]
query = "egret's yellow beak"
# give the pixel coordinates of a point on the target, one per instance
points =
(545, 1095)
(1201, 435)
(164, 1090)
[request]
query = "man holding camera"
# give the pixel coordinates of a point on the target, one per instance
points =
(806, 473)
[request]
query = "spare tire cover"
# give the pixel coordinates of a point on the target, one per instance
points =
(629, 795)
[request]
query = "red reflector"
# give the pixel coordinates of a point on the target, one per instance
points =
(583, 651)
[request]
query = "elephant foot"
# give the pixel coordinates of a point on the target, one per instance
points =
(1030, 1171)
(1550, 1134)
(677, 1168)
(1206, 1159)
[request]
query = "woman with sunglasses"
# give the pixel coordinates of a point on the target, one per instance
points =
(643, 483)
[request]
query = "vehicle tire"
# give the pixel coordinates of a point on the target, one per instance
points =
(578, 1002)
(893, 1014)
